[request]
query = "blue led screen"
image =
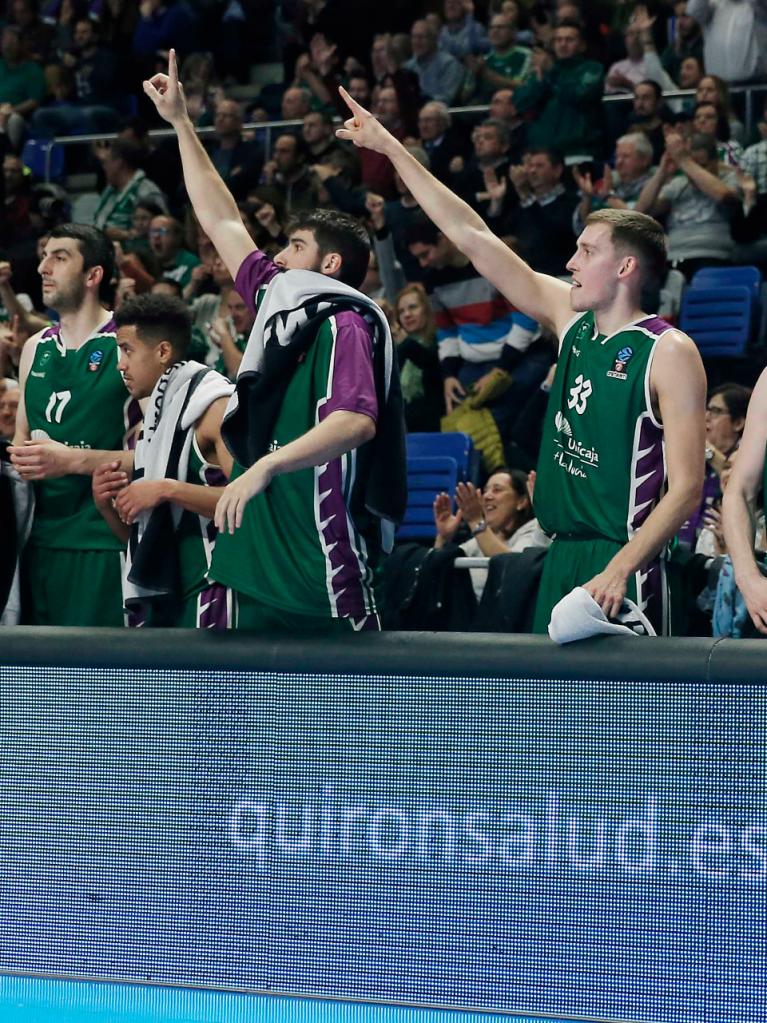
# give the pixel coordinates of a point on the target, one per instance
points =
(565, 848)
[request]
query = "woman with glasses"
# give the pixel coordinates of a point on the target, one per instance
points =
(725, 420)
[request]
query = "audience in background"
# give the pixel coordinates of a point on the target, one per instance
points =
(539, 75)
(699, 196)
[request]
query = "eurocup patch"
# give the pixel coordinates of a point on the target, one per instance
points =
(94, 360)
(618, 372)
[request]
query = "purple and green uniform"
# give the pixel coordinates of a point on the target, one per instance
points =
(305, 552)
(602, 466)
(72, 560)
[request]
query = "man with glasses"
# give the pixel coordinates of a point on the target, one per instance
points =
(166, 241)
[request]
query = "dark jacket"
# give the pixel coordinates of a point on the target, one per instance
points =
(508, 600)
(422, 590)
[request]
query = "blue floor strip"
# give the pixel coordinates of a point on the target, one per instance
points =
(40, 1000)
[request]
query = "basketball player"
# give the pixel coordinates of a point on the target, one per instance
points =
(624, 432)
(72, 417)
(185, 408)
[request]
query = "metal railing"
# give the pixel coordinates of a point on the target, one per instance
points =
(268, 129)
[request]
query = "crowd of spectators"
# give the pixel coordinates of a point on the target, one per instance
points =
(540, 148)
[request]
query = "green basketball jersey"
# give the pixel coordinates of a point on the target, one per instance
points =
(306, 544)
(195, 534)
(602, 464)
(76, 397)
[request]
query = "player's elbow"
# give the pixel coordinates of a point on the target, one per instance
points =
(688, 494)
(366, 429)
(473, 241)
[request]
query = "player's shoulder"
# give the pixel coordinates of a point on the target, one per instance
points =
(31, 346)
(677, 368)
(674, 343)
(349, 322)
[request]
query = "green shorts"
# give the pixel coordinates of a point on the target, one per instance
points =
(253, 616)
(71, 587)
(571, 562)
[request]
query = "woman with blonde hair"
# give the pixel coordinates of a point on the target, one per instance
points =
(414, 332)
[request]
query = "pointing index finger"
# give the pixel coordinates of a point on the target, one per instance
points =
(172, 67)
(352, 104)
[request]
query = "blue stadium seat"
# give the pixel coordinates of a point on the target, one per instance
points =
(451, 445)
(719, 320)
(729, 276)
(426, 477)
(726, 276)
(45, 159)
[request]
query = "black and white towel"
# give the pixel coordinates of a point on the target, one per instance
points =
(181, 396)
(290, 314)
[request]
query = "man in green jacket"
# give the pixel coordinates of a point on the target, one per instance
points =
(566, 92)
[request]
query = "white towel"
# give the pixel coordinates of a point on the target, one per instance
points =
(165, 415)
(578, 616)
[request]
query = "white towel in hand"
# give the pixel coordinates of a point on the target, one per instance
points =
(578, 616)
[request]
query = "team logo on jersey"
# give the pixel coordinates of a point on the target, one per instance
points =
(619, 366)
(580, 394)
(94, 360)
(571, 455)
(562, 425)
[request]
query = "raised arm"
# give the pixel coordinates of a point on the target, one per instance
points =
(544, 298)
(738, 506)
(213, 203)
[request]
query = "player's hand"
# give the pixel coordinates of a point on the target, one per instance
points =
(167, 93)
(231, 504)
(444, 520)
(470, 503)
(363, 129)
(141, 496)
(42, 459)
(754, 592)
(107, 482)
(454, 393)
(608, 589)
